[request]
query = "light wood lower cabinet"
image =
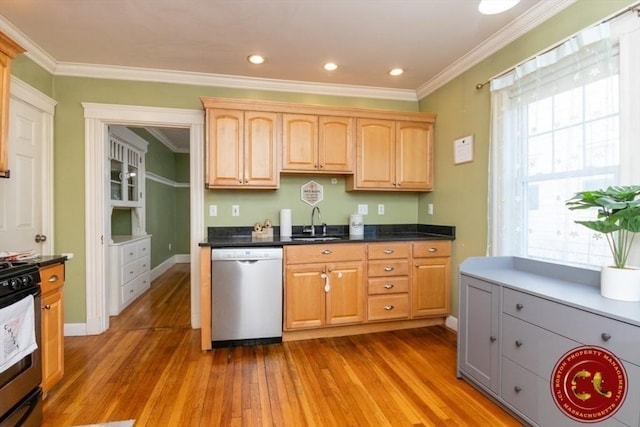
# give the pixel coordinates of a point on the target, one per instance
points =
(431, 278)
(324, 293)
(52, 302)
(388, 281)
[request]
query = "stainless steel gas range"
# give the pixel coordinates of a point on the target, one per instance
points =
(20, 360)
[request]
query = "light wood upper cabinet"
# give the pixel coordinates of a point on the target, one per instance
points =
(8, 50)
(313, 143)
(242, 149)
(393, 155)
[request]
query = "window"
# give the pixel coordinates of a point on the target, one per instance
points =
(561, 124)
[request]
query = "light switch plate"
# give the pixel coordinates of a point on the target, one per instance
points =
(213, 210)
(363, 209)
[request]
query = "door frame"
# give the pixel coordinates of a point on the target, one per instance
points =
(97, 119)
(23, 92)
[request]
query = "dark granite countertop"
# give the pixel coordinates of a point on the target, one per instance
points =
(222, 237)
(45, 260)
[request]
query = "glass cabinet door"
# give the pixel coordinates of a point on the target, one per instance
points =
(132, 184)
(116, 180)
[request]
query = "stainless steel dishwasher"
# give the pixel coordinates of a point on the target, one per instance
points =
(246, 296)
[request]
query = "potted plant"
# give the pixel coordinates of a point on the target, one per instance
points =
(618, 218)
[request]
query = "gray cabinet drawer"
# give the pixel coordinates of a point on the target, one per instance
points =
(536, 348)
(622, 339)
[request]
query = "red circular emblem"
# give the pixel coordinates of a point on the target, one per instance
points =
(589, 384)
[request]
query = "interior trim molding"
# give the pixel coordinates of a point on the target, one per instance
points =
(166, 181)
(97, 119)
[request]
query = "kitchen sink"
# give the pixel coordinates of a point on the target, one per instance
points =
(316, 238)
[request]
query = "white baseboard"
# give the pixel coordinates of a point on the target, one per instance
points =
(82, 329)
(451, 323)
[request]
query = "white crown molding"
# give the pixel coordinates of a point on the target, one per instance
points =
(520, 26)
(157, 134)
(238, 82)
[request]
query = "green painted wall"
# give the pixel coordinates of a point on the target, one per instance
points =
(461, 191)
(31, 73)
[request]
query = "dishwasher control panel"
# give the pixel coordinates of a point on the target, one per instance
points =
(246, 254)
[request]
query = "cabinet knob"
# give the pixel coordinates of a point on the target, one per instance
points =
(517, 389)
(433, 249)
(605, 336)
(519, 343)
(46, 307)
(519, 306)
(389, 268)
(388, 286)
(492, 338)
(388, 251)
(53, 278)
(327, 252)
(389, 307)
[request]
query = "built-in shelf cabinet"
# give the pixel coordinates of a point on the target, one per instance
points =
(129, 270)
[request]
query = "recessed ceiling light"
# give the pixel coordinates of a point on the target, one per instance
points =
(491, 7)
(330, 66)
(396, 71)
(255, 59)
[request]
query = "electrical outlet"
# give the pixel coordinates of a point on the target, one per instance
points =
(235, 210)
(363, 209)
(213, 210)
(169, 246)
(380, 209)
(430, 208)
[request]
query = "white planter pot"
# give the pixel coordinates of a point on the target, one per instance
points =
(620, 283)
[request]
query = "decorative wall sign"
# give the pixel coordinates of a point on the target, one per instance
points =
(311, 193)
(463, 150)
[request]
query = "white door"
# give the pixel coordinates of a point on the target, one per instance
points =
(21, 194)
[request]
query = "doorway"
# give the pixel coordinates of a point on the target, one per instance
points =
(97, 119)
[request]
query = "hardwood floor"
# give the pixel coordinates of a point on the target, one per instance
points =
(149, 367)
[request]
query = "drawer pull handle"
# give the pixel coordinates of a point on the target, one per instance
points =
(389, 268)
(519, 343)
(492, 338)
(388, 286)
(605, 336)
(46, 307)
(130, 253)
(388, 251)
(517, 389)
(433, 249)
(389, 307)
(327, 252)
(53, 278)
(519, 306)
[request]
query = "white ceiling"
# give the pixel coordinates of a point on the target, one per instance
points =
(433, 40)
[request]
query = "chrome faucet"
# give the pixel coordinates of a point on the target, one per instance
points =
(312, 229)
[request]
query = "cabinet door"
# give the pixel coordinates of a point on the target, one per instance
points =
(345, 299)
(299, 142)
(261, 150)
(431, 290)
(375, 154)
(335, 144)
(304, 296)
(52, 339)
(414, 156)
(225, 148)
(478, 331)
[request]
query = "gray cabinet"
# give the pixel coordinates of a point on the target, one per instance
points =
(479, 331)
(518, 318)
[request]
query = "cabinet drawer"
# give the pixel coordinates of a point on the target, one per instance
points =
(388, 250)
(51, 278)
(536, 348)
(388, 268)
(386, 307)
(523, 390)
(391, 285)
(129, 252)
(432, 248)
(586, 328)
(143, 248)
(135, 288)
(134, 269)
(308, 254)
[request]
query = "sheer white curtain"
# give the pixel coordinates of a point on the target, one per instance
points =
(557, 128)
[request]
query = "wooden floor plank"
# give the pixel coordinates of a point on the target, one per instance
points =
(149, 367)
